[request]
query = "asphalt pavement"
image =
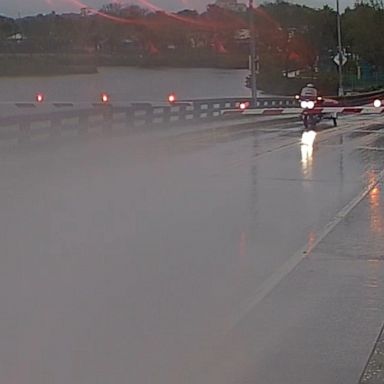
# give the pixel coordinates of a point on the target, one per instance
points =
(222, 255)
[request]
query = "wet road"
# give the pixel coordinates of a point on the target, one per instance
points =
(217, 256)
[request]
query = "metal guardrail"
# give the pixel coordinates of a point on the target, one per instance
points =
(56, 118)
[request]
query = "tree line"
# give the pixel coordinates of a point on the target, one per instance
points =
(289, 37)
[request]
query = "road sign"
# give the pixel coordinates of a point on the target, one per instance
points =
(248, 81)
(343, 59)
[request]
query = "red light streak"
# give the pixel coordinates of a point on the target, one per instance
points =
(208, 24)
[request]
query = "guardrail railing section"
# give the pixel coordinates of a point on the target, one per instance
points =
(58, 118)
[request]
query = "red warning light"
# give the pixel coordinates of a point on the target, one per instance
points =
(172, 98)
(39, 97)
(104, 98)
(243, 105)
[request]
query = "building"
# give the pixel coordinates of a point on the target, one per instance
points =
(231, 5)
(85, 11)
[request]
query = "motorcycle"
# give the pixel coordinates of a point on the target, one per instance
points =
(311, 113)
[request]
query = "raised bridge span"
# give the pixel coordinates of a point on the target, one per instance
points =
(224, 253)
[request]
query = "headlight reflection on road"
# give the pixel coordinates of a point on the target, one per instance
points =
(306, 157)
(307, 140)
(377, 220)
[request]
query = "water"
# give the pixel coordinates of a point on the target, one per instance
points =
(128, 85)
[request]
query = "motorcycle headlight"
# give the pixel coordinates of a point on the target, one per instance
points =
(310, 104)
(303, 104)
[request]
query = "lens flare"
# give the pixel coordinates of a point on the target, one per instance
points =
(206, 24)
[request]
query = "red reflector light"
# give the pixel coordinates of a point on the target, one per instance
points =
(172, 98)
(104, 98)
(39, 97)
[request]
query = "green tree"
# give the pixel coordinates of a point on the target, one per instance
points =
(363, 29)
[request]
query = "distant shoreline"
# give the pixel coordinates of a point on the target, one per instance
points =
(34, 64)
(45, 71)
(19, 65)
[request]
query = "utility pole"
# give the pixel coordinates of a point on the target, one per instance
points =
(340, 52)
(252, 48)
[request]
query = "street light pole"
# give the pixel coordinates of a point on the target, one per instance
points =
(252, 42)
(339, 48)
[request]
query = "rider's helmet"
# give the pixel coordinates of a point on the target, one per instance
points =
(310, 85)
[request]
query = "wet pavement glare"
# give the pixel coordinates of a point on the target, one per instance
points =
(141, 258)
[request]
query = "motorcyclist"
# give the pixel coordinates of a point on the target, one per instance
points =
(309, 115)
(309, 92)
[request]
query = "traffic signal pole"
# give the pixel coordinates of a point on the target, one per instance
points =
(252, 42)
(340, 52)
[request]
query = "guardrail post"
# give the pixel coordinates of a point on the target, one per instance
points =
(197, 109)
(55, 126)
(215, 108)
(83, 123)
(209, 110)
(129, 115)
(25, 131)
(149, 116)
(182, 112)
(205, 110)
(143, 112)
(107, 118)
(166, 115)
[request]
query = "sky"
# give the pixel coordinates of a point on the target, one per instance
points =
(15, 8)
